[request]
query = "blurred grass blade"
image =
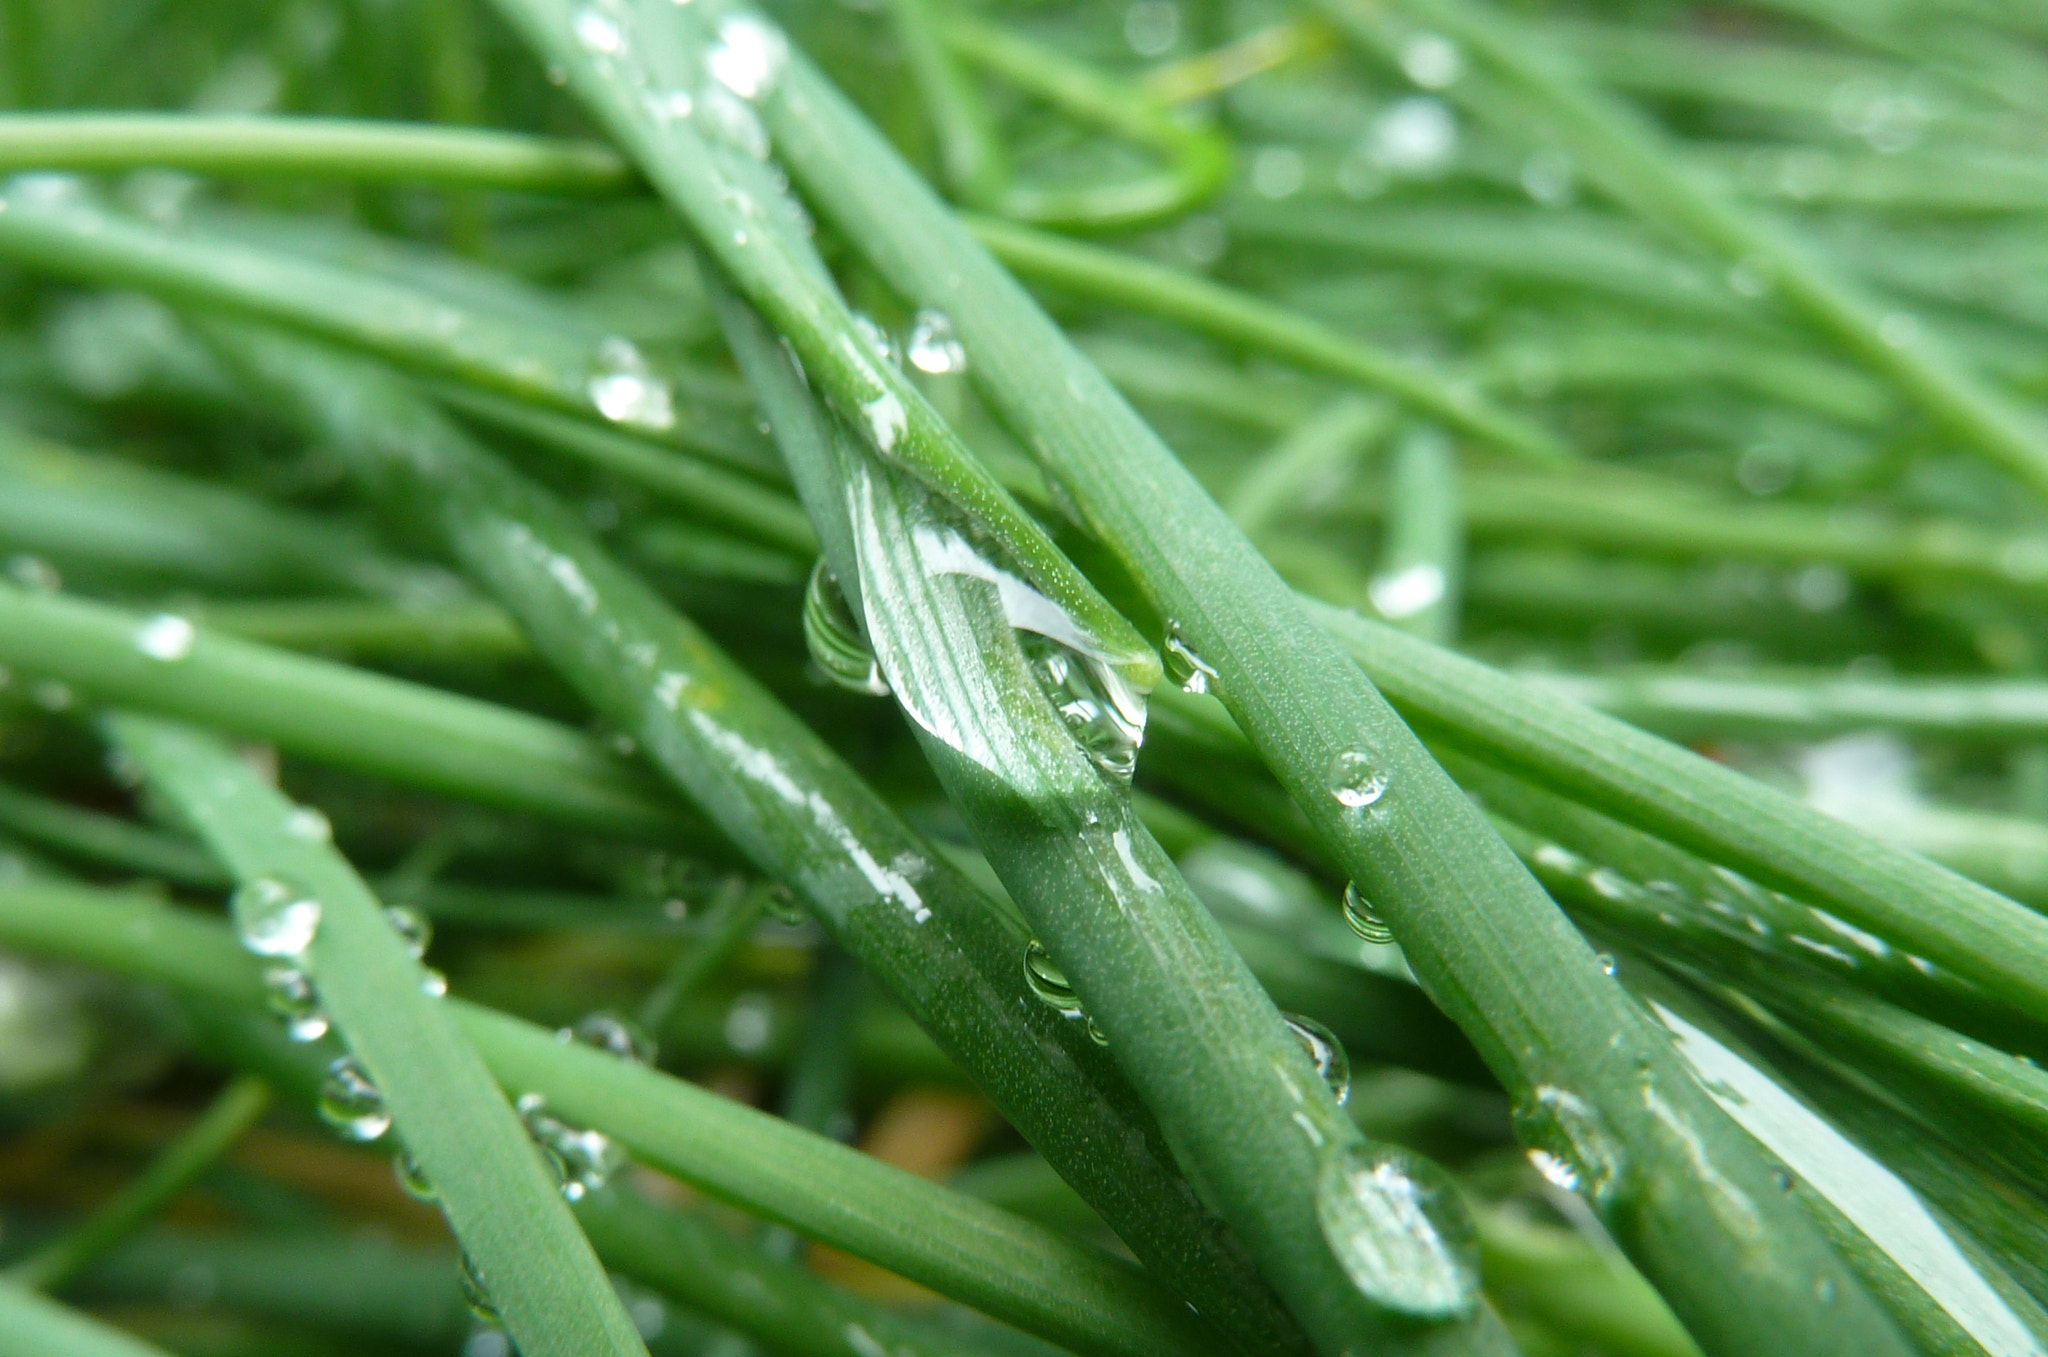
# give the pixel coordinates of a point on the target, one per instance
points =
(501, 1202)
(31, 1326)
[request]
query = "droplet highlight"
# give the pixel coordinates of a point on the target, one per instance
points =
(1050, 984)
(626, 391)
(275, 918)
(166, 637)
(1356, 778)
(288, 992)
(932, 346)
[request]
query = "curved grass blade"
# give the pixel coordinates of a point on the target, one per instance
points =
(1492, 949)
(1071, 1294)
(501, 1202)
(31, 1326)
(950, 955)
(336, 148)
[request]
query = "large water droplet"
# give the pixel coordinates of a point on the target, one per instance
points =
(1046, 980)
(1104, 716)
(351, 1103)
(1184, 668)
(288, 992)
(748, 56)
(615, 1036)
(1570, 1132)
(475, 1294)
(833, 638)
(932, 345)
(1359, 913)
(626, 391)
(1394, 1223)
(412, 928)
(1356, 778)
(1325, 1052)
(166, 637)
(274, 917)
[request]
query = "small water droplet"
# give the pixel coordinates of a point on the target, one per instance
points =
(625, 390)
(750, 1024)
(1407, 591)
(1607, 963)
(1570, 1130)
(1364, 921)
(749, 55)
(784, 907)
(288, 992)
(412, 928)
(1432, 61)
(433, 984)
(1184, 668)
(351, 1103)
(474, 1294)
(834, 639)
(1783, 1178)
(583, 1160)
(1356, 778)
(166, 637)
(932, 346)
(732, 122)
(616, 1036)
(308, 824)
(878, 339)
(1325, 1052)
(1824, 1290)
(599, 32)
(1049, 983)
(412, 1178)
(1394, 1222)
(34, 574)
(274, 917)
(1555, 1171)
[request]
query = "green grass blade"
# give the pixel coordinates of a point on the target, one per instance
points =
(1491, 947)
(336, 148)
(1423, 555)
(104, 839)
(1073, 1295)
(1328, 444)
(456, 1125)
(31, 1326)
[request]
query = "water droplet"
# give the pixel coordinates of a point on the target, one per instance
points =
(433, 984)
(583, 1160)
(732, 122)
(878, 339)
(671, 105)
(1783, 1178)
(34, 574)
(1548, 177)
(626, 391)
(1568, 1129)
(1152, 27)
(1105, 718)
(1432, 60)
(1407, 591)
(351, 1103)
(412, 928)
(834, 639)
(785, 908)
(1395, 1224)
(274, 917)
(1049, 983)
(1356, 778)
(1184, 668)
(599, 33)
(1417, 137)
(308, 824)
(1555, 1171)
(412, 1178)
(288, 992)
(1325, 1052)
(1607, 963)
(750, 1024)
(1359, 913)
(749, 55)
(166, 637)
(474, 1294)
(615, 1036)
(932, 346)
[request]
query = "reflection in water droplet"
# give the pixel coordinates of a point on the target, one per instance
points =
(1046, 980)
(412, 1178)
(274, 917)
(1359, 913)
(748, 57)
(1356, 778)
(1104, 716)
(412, 928)
(474, 1294)
(625, 390)
(166, 637)
(1395, 1224)
(1325, 1052)
(1555, 1171)
(833, 638)
(288, 992)
(932, 345)
(615, 1036)
(1184, 668)
(351, 1104)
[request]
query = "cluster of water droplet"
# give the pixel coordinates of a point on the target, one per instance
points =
(1052, 988)
(833, 637)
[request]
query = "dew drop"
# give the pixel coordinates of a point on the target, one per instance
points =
(1184, 668)
(1607, 963)
(1432, 61)
(582, 1160)
(1358, 912)
(879, 341)
(474, 1294)
(625, 390)
(166, 637)
(833, 638)
(599, 33)
(1325, 1052)
(1104, 717)
(785, 908)
(274, 917)
(1407, 591)
(433, 984)
(412, 928)
(750, 1024)
(1393, 1222)
(618, 1037)
(308, 824)
(1567, 1128)
(351, 1103)
(412, 1178)
(748, 57)
(1052, 988)
(1555, 1171)
(732, 122)
(1356, 778)
(288, 992)
(932, 346)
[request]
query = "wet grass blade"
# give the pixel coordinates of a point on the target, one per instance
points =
(429, 1083)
